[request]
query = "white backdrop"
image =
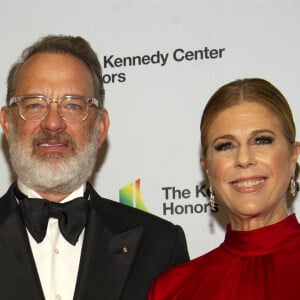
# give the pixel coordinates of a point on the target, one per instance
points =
(155, 106)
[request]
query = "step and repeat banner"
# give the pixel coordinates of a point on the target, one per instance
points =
(162, 60)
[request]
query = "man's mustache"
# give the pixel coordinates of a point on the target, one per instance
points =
(60, 137)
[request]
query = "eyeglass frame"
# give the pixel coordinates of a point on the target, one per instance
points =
(89, 101)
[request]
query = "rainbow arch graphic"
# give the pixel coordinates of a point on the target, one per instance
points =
(131, 195)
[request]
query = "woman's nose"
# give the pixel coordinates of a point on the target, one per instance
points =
(244, 157)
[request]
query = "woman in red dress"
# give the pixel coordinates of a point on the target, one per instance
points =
(249, 155)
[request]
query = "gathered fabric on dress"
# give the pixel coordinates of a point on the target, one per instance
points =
(259, 264)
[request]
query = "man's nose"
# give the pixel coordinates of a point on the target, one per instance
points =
(53, 121)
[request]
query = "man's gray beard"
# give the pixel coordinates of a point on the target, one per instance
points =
(59, 174)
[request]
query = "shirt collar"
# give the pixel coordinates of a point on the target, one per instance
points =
(30, 193)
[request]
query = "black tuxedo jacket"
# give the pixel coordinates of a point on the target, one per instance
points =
(106, 272)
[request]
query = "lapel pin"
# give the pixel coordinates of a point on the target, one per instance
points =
(125, 249)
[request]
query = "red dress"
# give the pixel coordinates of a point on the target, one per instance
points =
(260, 264)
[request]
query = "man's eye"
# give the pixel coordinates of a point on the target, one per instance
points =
(223, 146)
(73, 107)
(34, 106)
(264, 140)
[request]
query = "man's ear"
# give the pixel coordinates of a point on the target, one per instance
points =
(104, 126)
(4, 121)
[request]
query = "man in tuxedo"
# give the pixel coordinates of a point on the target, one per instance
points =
(58, 238)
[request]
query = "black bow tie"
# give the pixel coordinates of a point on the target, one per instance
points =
(36, 212)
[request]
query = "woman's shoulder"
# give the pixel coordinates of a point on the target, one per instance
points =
(186, 274)
(191, 267)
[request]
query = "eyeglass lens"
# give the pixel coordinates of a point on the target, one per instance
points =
(71, 108)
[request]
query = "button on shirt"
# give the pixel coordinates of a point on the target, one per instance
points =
(57, 260)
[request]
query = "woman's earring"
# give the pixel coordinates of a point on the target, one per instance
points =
(212, 201)
(293, 187)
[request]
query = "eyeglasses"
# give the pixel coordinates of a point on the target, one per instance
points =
(70, 108)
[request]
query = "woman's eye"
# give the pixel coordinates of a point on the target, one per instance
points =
(264, 140)
(223, 146)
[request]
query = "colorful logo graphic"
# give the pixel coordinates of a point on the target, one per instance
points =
(131, 195)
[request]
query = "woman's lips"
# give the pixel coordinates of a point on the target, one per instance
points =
(248, 184)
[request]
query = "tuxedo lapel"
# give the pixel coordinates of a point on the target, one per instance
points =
(18, 275)
(106, 260)
(122, 249)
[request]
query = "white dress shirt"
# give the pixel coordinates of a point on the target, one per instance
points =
(57, 260)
